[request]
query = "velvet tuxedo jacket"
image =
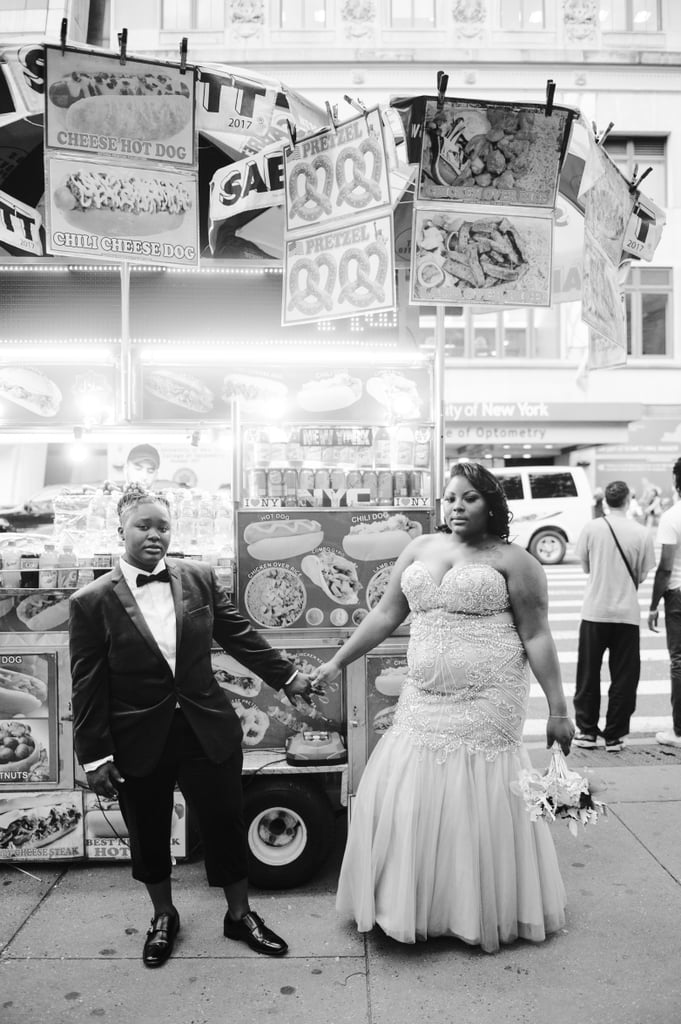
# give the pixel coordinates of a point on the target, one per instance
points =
(123, 691)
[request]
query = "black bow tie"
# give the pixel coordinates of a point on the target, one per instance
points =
(159, 577)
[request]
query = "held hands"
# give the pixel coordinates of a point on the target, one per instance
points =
(560, 730)
(653, 620)
(325, 674)
(104, 781)
(301, 688)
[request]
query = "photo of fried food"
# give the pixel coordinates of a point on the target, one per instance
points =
(275, 597)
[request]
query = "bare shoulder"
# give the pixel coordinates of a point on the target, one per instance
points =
(516, 564)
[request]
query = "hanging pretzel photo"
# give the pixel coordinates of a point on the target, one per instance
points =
(313, 202)
(306, 292)
(362, 186)
(362, 289)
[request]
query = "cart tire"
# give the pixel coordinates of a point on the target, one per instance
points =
(548, 547)
(290, 830)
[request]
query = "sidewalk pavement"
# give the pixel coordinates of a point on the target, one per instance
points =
(71, 939)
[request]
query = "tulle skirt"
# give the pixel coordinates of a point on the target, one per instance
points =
(441, 846)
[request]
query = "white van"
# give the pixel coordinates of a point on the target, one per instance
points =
(550, 505)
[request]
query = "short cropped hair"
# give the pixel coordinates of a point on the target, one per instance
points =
(134, 495)
(616, 493)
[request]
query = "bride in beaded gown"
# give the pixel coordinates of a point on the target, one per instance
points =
(438, 843)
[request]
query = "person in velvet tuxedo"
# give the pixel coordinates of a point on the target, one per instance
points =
(148, 713)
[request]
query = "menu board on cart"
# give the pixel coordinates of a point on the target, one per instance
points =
(385, 677)
(28, 717)
(106, 834)
(320, 568)
(267, 716)
(42, 826)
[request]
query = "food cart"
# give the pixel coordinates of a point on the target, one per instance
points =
(321, 468)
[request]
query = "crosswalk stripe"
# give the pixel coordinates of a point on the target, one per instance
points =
(639, 724)
(646, 688)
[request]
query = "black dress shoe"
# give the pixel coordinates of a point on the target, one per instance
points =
(160, 939)
(252, 929)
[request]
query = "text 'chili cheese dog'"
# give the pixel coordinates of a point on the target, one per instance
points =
(278, 539)
(103, 203)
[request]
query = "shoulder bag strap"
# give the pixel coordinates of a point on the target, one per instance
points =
(619, 548)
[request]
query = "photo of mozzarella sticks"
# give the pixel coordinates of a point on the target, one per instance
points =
(277, 540)
(381, 539)
(108, 203)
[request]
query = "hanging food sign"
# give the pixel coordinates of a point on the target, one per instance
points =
(608, 206)
(336, 174)
(463, 255)
(338, 180)
(138, 109)
(497, 153)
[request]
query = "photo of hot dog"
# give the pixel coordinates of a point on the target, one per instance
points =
(21, 695)
(381, 539)
(122, 204)
(41, 612)
(335, 575)
(105, 824)
(253, 390)
(276, 540)
(30, 389)
(397, 394)
(330, 391)
(391, 680)
(179, 388)
(231, 676)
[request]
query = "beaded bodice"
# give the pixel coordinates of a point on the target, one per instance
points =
(468, 682)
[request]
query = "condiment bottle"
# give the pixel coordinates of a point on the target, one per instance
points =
(67, 575)
(47, 568)
(382, 448)
(11, 574)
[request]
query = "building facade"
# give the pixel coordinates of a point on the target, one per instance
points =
(516, 384)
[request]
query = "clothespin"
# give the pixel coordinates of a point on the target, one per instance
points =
(62, 34)
(550, 92)
(637, 179)
(183, 55)
(292, 133)
(606, 133)
(357, 104)
(330, 112)
(442, 83)
(123, 43)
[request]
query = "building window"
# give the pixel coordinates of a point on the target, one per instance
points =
(630, 15)
(23, 15)
(648, 301)
(408, 14)
(523, 333)
(522, 15)
(640, 152)
(193, 15)
(302, 14)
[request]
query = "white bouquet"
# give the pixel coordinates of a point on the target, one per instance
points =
(559, 793)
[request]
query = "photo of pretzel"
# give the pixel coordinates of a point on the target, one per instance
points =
(312, 298)
(312, 203)
(361, 188)
(363, 289)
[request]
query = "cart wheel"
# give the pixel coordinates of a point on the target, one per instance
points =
(290, 829)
